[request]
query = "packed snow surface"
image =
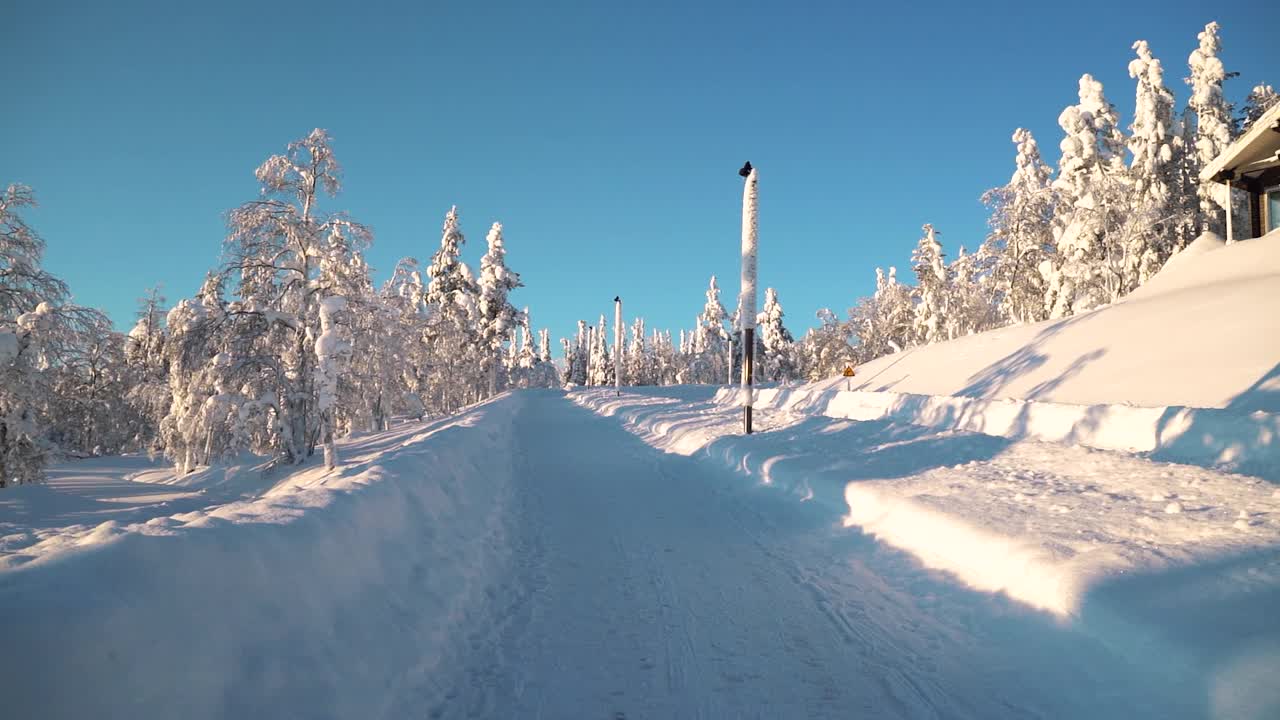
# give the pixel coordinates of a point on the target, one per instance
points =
(629, 556)
(1155, 559)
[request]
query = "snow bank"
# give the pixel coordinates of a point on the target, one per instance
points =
(1203, 333)
(1048, 525)
(325, 594)
(1186, 369)
(1247, 442)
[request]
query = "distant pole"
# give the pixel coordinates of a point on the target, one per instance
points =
(747, 296)
(617, 343)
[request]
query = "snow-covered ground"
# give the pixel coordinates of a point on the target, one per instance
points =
(1174, 565)
(1185, 369)
(1204, 333)
(592, 554)
(125, 592)
(635, 558)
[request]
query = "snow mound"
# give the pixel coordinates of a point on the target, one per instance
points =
(1207, 241)
(1201, 334)
(1186, 369)
(1208, 260)
(310, 594)
(1052, 526)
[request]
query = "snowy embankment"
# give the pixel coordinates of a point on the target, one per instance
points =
(307, 594)
(1186, 369)
(986, 456)
(1157, 559)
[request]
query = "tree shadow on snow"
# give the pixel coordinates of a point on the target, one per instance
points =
(995, 377)
(1213, 622)
(1263, 395)
(1239, 438)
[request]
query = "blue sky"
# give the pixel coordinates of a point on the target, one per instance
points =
(604, 135)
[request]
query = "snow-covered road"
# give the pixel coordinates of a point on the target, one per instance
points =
(587, 555)
(651, 585)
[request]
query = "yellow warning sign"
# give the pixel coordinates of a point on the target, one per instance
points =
(848, 371)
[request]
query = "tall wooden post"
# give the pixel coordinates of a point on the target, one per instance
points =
(747, 295)
(617, 343)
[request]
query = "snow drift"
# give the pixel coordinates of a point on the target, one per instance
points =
(1186, 368)
(331, 594)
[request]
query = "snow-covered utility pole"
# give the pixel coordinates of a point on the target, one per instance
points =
(617, 343)
(747, 296)
(591, 340)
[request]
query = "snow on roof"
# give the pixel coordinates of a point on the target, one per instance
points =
(1251, 153)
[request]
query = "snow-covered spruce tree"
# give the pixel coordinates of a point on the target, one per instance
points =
(709, 345)
(1021, 235)
(523, 356)
(575, 358)
(452, 335)
(1212, 114)
(567, 352)
(544, 345)
(276, 250)
(931, 289)
(50, 349)
(1261, 99)
(497, 314)
(777, 341)
(1154, 208)
(544, 373)
(638, 360)
(1092, 188)
(600, 360)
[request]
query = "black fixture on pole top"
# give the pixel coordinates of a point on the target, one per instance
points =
(617, 298)
(746, 170)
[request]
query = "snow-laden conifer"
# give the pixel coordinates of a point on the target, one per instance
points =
(1021, 235)
(931, 288)
(778, 360)
(498, 317)
(1212, 114)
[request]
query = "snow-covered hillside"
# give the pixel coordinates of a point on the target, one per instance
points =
(1204, 332)
(1186, 369)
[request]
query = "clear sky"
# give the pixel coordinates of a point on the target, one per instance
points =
(604, 135)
